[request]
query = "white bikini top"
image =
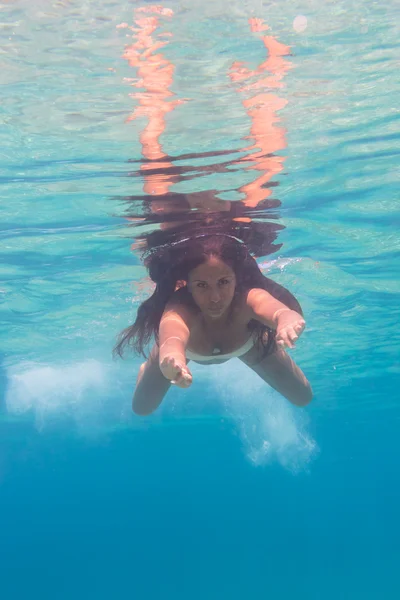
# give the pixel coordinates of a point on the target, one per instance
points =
(203, 358)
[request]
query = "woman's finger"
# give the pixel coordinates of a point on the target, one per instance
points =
(292, 335)
(286, 337)
(283, 341)
(183, 377)
(182, 381)
(289, 335)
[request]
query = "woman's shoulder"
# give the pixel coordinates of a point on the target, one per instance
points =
(253, 294)
(181, 303)
(252, 298)
(242, 312)
(260, 300)
(279, 292)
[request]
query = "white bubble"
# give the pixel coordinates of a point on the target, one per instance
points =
(270, 428)
(300, 23)
(54, 390)
(92, 396)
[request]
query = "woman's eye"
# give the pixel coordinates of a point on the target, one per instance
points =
(224, 281)
(201, 285)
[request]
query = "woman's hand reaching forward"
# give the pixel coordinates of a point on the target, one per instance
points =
(289, 327)
(173, 369)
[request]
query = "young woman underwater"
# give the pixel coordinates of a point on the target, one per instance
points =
(212, 303)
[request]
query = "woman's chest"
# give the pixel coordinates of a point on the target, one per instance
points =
(206, 338)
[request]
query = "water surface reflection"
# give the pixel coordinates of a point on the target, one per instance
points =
(161, 214)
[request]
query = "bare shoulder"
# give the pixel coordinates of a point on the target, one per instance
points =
(179, 304)
(264, 306)
(255, 293)
(244, 309)
(257, 296)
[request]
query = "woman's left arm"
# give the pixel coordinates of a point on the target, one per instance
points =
(288, 323)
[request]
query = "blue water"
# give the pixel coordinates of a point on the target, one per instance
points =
(226, 491)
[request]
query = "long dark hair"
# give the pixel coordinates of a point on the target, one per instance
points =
(171, 264)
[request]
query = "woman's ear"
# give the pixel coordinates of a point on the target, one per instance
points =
(180, 284)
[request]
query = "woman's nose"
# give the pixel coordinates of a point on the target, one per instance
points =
(215, 295)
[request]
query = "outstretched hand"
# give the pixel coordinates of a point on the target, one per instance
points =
(176, 372)
(289, 328)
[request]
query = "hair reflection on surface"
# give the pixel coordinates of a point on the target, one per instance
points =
(162, 215)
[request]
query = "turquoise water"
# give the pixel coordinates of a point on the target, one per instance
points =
(226, 491)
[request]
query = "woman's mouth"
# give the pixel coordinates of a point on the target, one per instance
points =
(215, 309)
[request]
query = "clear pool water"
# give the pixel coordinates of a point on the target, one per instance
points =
(123, 121)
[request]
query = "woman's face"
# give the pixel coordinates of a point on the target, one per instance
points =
(212, 285)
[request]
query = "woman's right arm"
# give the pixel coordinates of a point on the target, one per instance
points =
(174, 333)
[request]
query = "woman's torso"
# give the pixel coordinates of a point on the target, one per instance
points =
(211, 341)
